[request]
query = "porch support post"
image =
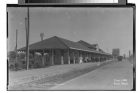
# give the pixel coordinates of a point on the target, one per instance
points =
(73, 58)
(52, 57)
(86, 57)
(34, 56)
(99, 59)
(62, 58)
(68, 56)
(78, 57)
(43, 58)
(95, 59)
(89, 57)
(105, 59)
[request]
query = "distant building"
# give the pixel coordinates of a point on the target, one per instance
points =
(116, 52)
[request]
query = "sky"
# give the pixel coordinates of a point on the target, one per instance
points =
(108, 27)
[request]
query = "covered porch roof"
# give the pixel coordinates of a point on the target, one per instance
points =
(59, 43)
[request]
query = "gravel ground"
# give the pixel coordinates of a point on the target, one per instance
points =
(114, 76)
(45, 78)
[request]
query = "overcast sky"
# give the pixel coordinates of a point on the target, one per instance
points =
(109, 27)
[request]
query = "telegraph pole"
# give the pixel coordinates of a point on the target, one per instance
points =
(129, 53)
(27, 24)
(42, 37)
(16, 43)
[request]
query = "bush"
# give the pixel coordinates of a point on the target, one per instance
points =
(37, 65)
(16, 66)
(11, 67)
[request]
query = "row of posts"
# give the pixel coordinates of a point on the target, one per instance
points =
(71, 55)
(80, 57)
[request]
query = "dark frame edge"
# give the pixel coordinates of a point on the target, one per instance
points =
(134, 48)
(89, 5)
(73, 5)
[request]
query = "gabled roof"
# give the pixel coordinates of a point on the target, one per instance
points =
(94, 45)
(56, 43)
(50, 43)
(86, 44)
(73, 45)
(101, 50)
(59, 43)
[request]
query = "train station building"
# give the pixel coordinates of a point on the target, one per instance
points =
(56, 50)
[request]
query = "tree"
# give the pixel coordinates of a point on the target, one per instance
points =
(21, 56)
(12, 55)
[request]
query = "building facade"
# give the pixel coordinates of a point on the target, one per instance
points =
(56, 51)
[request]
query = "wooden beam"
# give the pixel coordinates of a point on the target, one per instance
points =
(68, 56)
(73, 58)
(62, 57)
(27, 37)
(43, 63)
(16, 44)
(62, 60)
(78, 57)
(52, 57)
(34, 56)
(99, 59)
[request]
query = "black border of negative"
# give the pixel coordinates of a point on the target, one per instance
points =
(128, 5)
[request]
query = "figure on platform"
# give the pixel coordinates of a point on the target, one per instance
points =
(81, 60)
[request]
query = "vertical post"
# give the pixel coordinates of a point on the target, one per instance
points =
(81, 58)
(86, 57)
(34, 56)
(62, 58)
(105, 59)
(43, 60)
(96, 58)
(16, 43)
(99, 59)
(129, 53)
(52, 57)
(93, 58)
(89, 57)
(27, 24)
(73, 58)
(43, 63)
(68, 56)
(78, 57)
